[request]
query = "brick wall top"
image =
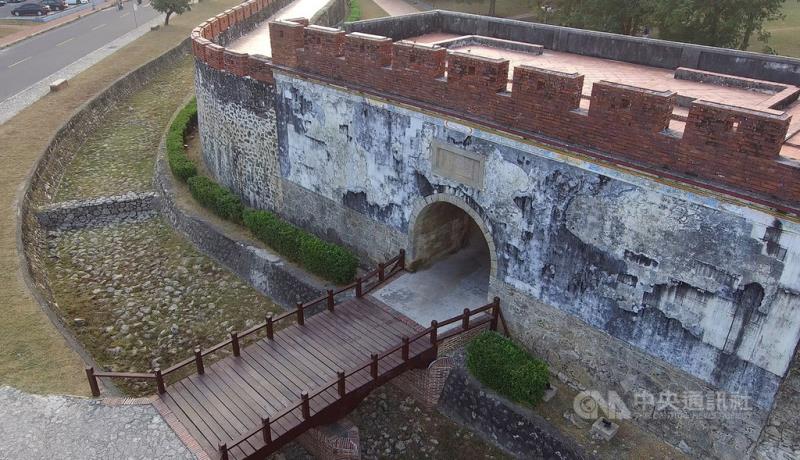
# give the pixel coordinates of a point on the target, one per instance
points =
(725, 148)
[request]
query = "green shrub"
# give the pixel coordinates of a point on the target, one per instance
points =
(217, 198)
(327, 260)
(506, 368)
(182, 167)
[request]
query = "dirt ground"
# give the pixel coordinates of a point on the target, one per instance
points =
(33, 355)
(8, 27)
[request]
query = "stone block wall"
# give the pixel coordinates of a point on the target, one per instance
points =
(518, 430)
(237, 108)
(98, 211)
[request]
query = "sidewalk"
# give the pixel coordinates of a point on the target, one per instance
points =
(396, 7)
(29, 32)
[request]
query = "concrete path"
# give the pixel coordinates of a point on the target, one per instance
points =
(257, 41)
(396, 7)
(442, 290)
(45, 427)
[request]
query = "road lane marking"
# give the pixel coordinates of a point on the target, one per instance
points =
(124, 15)
(98, 27)
(66, 41)
(19, 62)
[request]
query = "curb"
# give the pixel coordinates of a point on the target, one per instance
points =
(70, 21)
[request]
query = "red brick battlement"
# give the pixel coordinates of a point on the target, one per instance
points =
(722, 147)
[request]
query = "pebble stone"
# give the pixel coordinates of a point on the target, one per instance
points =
(36, 427)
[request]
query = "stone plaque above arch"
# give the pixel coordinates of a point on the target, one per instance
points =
(457, 164)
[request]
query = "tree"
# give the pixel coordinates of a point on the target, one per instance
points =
(727, 23)
(616, 16)
(169, 7)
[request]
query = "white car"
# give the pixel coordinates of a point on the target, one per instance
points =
(76, 2)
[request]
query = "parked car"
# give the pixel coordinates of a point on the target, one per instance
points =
(2, 3)
(30, 9)
(54, 5)
(15, 1)
(76, 2)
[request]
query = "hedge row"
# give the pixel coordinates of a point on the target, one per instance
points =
(317, 256)
(181, 166)
(506, 368)
(216, 198)
(325, 259)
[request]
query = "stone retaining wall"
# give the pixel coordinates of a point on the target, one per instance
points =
(98, 211)
(264, 270)
(519, 431)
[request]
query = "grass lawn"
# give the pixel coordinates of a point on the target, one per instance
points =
(504, 8)
(370, 10)
(33, 355)
(785, 37)
(8, 27)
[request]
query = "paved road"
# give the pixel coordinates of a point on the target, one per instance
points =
(27, 62)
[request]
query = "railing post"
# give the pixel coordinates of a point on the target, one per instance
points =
(495, 313)
(341, 383)
(435, 335)
(160, 382)
(306, 406)
(235, 344)
(402, 261)
(93, 382)
(301, 316)
(267, 431)
(465, 320)
(405, 348)
(359, 287)
(198, 360)
(223, 451)
(270, 327)
(373, 367)
(331, 300)
(381, 272)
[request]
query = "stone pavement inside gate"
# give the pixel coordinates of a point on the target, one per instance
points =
(44, 427)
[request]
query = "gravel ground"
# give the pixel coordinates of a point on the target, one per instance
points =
(393, 425)
(119, 156)
(139, 296)
(35, 427)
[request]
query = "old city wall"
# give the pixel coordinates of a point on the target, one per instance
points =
(620, 281)
(699, 285)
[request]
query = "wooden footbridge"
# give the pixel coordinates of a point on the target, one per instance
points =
(269, 390)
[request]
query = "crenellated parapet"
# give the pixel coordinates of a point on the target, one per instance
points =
(728, 149)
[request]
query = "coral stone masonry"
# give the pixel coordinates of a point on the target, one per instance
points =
(638, 199)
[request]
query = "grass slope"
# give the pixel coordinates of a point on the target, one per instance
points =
(33, 355)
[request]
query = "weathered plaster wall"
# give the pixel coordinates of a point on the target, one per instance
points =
(705, 286)
(620, 282)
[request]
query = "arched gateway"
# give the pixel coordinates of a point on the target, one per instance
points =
(452, 259)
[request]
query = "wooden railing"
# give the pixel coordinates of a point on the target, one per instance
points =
(361, 286)
(490, 314)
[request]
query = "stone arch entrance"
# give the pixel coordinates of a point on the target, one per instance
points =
(452, 258)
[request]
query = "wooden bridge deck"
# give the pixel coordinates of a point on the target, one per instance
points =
(231, 397)
(310, 373)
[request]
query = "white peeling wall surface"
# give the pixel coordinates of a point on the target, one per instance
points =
(707, 286)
